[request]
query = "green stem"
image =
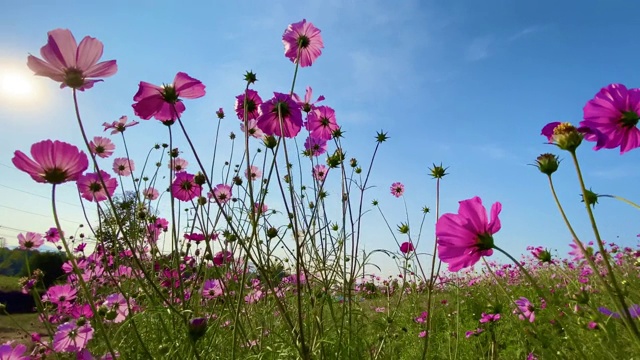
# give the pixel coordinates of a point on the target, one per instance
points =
(618, 293)
(622, 199)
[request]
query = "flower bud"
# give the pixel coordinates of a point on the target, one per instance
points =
(547, 163)
(197, 328)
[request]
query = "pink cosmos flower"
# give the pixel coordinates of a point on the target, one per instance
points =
(320, 172)
(397, 189)
(54, 162)
(60, 294)
(321, 122)
(178, 164)
(163, 102)
(195, 237)
(102, 147)
(30, 240)
(222, 257)
(184, 187)
(485, 318)
(253, 173)
(90, 186)
(73, 65)
(212, 289)
(613, 115)
(123, 166)
(254, 130)
(302, 43)
(52, 235)
(260, 209)
(70, 337)
(525, 310)
(150, 193)
(281, 106)
(406, 247)
(306, 104)
(119, 126)
(8, 352)
(222, 192)
(118, 309)
(253, 102)
(158, 226)
(464, 237)
(314, 146)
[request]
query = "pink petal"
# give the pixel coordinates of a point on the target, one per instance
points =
(89, 52)
(474, 211)
(188, 87)
(148, 106)
(61, 46)
(494, 224)
(146, 89)
(24, 163)
(43, 68)
(103, 69)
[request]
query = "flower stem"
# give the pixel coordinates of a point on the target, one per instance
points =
(618, 293)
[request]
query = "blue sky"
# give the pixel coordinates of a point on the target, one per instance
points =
(467, 83)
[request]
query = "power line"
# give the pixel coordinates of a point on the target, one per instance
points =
(38, 195)
(32, 213)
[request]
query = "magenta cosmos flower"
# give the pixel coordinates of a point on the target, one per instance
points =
(73, 65)
(52, 235)
(525, 310)
(119, 125)
(253, 173)
(613, 114)
(91, 188)
(184, 187)
(70, 337)
(314, 146)
(406, 247)
(466, 236)
(321, 122)
(54, 162)
(30, 240)
(397, 189)
(306, 104)
(8, 352)
(302, 43)
(150, 193)
(281, 106)
(163, 102)
(252, 103)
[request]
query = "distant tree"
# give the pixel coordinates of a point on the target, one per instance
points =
(134, 216)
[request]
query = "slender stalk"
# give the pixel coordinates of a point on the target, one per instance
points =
(618, 293)
(432, 276)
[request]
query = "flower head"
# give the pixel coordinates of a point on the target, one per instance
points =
(54, 162)
(73, 65)
(464, 237)
(613, 116)
(252, 101)
(178, 164)
(220, 114)
(222, 192)
(150, 193)
(314, 146)
(306, 104)
(102, 147)
(397, 189)
(184, 187)
(321, 122)
(163, 102)
(564, 135)
(71, 337)
(407, 247)
(302, 43)
(52, 235)
(485, 318)
(30, 240)
(547, 163)
(525, 310)
(281, 106)
(254, 130)
(320, 172)
(91, 188)
(119, 126)
(253, 173)
(123, 166)
(8, 352)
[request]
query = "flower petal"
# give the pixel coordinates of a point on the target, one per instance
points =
(88, 54)
(188, 87)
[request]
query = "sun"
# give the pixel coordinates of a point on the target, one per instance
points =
(16, 85)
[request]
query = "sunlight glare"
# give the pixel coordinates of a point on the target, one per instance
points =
(16, 86)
